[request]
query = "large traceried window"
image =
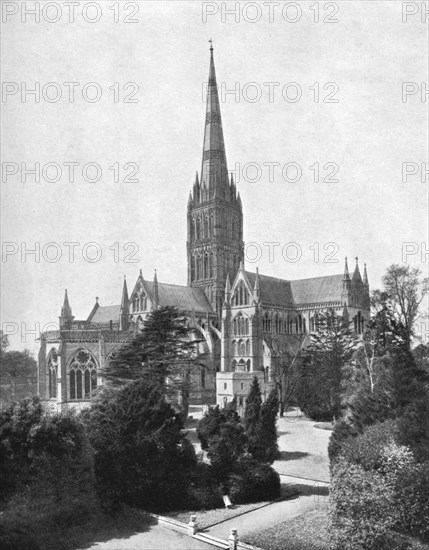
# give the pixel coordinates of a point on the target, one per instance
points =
(53, 373)
(241, 295)
(83, 375)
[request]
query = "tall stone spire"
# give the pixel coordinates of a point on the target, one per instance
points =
(215, 218)
(214, 171)
(125, 308)
(66, 312)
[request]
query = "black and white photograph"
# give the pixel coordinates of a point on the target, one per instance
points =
(214, 275)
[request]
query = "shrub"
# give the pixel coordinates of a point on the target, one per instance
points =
(365, 409)
(203, 491)
(51, 472)
(368, 448)
(412, 500)
(253, 482)
(362, 509)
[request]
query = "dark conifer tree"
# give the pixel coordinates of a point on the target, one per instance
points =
(267, 447)
(252, 415)
(165, 353)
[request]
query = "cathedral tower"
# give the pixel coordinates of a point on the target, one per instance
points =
(215, 218)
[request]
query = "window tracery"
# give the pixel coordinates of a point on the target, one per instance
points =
(83, 375)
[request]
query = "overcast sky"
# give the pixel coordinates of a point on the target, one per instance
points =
(353, 117)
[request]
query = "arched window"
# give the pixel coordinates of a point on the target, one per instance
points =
(247, 326)
(206, 266)
(198, 267)
(247, 347)
(304, 322)
(266, 323)
(198, 229)
(241, 295)
(211, 265)
(276, 323)
(203, 378)
(359, 323)
(53, 373)
(83, 375)
(206, 227)
(248, 365)
(234, 365)
(143, 302)
(241, 348)
(193, 268)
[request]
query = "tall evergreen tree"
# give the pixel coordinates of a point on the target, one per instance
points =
(223, 437)
(252, 414)
(142, 456)
(331, 349)
(165, 352)
(267, 448)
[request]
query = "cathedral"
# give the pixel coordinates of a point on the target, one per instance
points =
(244, 320)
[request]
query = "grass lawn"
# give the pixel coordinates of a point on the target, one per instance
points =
(38, 533)
(206, 518)
(308, 531)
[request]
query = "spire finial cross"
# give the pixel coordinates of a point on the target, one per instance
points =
(211, 44)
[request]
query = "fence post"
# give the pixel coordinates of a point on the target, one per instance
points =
(193, 526)
(233, 540)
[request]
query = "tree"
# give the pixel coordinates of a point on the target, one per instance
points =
(166, 352)
(222, 435)
(404, 291)
(267, 448)
(252, 415)
(142, 456)
(4, 341)
(19, 367)
(286, 359)
(46, 458)
(330, 352)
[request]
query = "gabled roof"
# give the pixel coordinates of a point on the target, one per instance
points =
(273, 290)
(184, 298)
(105, 314)
(317, 289)
(302, 291)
